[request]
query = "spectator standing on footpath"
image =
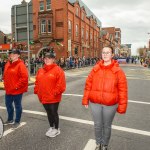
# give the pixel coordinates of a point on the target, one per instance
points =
(15, 83)
(49, 86)
(141, 61)
(3, 66)
(105, 92)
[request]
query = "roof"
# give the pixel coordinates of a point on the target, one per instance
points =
(88, 11)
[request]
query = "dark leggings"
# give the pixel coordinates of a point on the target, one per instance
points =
(52, 114)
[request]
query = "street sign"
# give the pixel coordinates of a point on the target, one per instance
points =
(5, 46)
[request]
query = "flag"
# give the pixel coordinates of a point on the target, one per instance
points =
(31, 42)
(58, 43)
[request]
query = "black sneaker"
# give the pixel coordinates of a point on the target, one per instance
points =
(8, 122)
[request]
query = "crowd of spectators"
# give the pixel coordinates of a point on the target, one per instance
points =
(65, 63)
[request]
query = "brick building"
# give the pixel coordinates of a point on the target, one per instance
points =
(3, 38)
(111, 36)
(5, 43)
(125, 50)
(66, 25)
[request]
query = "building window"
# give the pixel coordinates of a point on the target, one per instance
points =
(77, 30)
(87, 35)
(48, 4)
(82, 33)
(95, 38)
(34, 27)
(82, 16)
(42, 6)
(91, 36)
(49, 26)
(43, 26)
(117, 34)
(69, 26)
(77, 11)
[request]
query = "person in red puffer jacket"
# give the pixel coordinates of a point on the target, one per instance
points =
(49, 86)
(15, 83)
(106, 93)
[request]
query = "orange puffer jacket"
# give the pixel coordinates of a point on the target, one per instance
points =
(15, 77)
(50, 84)
(106, 85)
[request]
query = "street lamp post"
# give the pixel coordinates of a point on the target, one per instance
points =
(149, 42)
(28, 40)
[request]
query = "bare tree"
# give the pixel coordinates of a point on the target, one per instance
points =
(140, 51)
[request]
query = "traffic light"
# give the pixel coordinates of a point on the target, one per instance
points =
(76, 50)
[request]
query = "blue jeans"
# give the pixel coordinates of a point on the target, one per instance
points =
(103, 117)
(9, 99)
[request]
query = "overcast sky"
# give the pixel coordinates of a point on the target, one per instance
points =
(131, 16)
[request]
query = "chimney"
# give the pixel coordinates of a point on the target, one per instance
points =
(23, 2)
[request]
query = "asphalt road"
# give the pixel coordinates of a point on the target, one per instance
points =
(130, 131)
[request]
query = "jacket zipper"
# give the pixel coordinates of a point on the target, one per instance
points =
(103, 83)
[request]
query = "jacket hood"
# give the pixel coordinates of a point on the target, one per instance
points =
(16, 62)
(114, 66)
(49, 67)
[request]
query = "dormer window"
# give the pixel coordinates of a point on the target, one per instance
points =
(82, 16)
(77, 11)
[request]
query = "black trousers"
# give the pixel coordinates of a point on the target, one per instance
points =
(52, 114)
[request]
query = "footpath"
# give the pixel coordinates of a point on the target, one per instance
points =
(32, 78)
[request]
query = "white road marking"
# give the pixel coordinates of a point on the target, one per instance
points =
(13, 129)
(90, 145)
(78, 95)
(130, 130)
(139, 102)
(131, 101)
(76, 75)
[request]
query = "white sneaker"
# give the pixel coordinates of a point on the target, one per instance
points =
(54, 133)
(49, 131)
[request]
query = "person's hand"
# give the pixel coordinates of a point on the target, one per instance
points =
(86, 106)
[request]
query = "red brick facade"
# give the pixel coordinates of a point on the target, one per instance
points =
(81, 40)
(112, 36)
(87, 40)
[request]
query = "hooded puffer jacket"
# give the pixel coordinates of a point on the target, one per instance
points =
(50, 84)
(106, 85)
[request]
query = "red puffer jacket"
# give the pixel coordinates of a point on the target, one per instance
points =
(50, 84)
(106, 85)
(15, 77)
